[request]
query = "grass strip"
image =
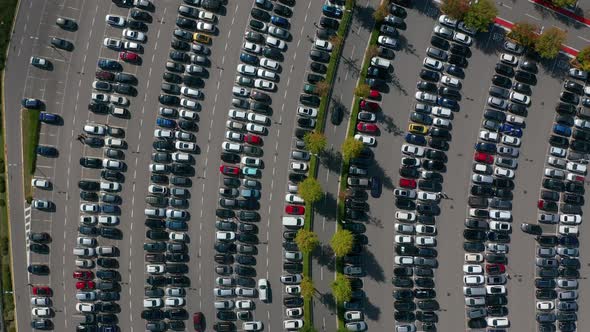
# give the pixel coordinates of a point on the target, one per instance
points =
(7, 14)
(30, 129)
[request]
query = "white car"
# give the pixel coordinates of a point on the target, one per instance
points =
(462, 38)
(428, 196)
(189, 115)
(511, 140)
(275, 43)
(498, 322)
(86, 241)
(223, 292)
(451, 81)
(520, 98)
(112, 43)
(441, 123)
(501, 215)
(269, 64)
(557, 152)
(567, 283)
(568, 230)
(247, 70)
(89, 208)
(175, 291)
(178, 237)
(163, 133)
(425, 97)
(119, 100)
(380, 62)
(233, 136)
(576, 168)
(387, 41)
(554, 173)
(294, 199)
(433, 64)
(296, 166)
(245, 304)
(405, 216)
(504, 173)
(508, 151)
(365, 139)
(481, 179)
(293, 324)
(85, 307)
(256, 129)
(40, 301)
(40, 183)
(95, 129)
(113, 164)
(155, 268)
(351, 316)
(426, 241)
(207, 16)
(448, 21)
(258, 118)
(426, 229)
(205, 27)
(489, 136)
(307, 111)
(114, 143)
(291, 289)
(472, 269)
(189, 92)
(404, 228)
(473, 258)
(499, 248)
(132, 46)
(545, 305)
(570, 219)
(323, 45)
(294, 312)
(42, 312)
(402, 239)
(115, 20)
(267, 74)
(404, 260)
(181, 157)
(237, 115)
(473, 280)
(134, 35)
(231, 147)
(442, 112)
(252, 326)
(109, 220)
(413, 150)
(500, 226)
(185, 146)
(252, 47)
(264, 84)
(101, 97)
(189, 103)
(509, 59)
(175, 302)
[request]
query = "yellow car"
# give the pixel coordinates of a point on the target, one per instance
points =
(415, 128)
(201, 38)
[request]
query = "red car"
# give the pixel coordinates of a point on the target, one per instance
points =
(229, 170)
(407, 183)
(105, 75)
(129, 56)
(578, 178)
(198, 321)
(495, 268)
(369, 106)
(42, 291)
(83, 275)
(85, 285)
(294, 209)
(547, 205)
(484, 157)
(253, 139)
(374, 94)
(364, 127)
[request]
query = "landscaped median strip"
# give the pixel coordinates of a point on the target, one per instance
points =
(30, 131)
(321, 122)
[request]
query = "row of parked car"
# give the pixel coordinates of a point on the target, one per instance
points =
(418, 200)
(561, 199)
(171, 169)
(237, 233)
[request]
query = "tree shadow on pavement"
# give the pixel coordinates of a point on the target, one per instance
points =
(371, 311)
(397, 85)
(351, 66)
(407, 47)
(324, 256)
(570, 22)
(556, 68)
(374, 270)
(328, 207)
(375, 221)
(332, 160)
(364, 17)
(378, 171)
(327, 299)
(426, 7)
(489, 42)
(389, 125)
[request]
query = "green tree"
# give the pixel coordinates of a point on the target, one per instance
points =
(456, 9)
(481, 14)
(341, 288)
(310, 190)
(342, 242)
(351, 148)
(549, 42)
(563, 3)
(315, 142)
(362, 90)
(524, 33)
(306, 240)
(381, 11)
(307, 288)
(584, 59)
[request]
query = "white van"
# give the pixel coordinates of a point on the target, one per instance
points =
(380, 62)
(263, 290)
(293, 222)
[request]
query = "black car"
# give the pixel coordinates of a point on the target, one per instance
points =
(140, 15)
(309, 100)
(460, 50)
(522, 88)
(456, 71)
(438, 143)
(282, 10)
(545, 294)
(429, 75)
(330, 23)
(319, 56)
(458, 60)
(547, 240)
(529, 66)
(504, 69)
(99, 108)
(574, 187)
(441, 133)
(404, 316)
(403, 271)
(440, 42)
(474, 235)
(525, 77)
(404, 305)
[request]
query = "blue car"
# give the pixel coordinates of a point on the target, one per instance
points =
(250, 193)
(485, 147)
(332, 11)
(31, 103)
(375, 187)
(562, 130)
(48, 117)
(108, 64)
(415, 139)
(510, 130)
(249, 58)
(176, 225)
(450, 103)
(166, 123)
(280, 21)
(46, 151)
